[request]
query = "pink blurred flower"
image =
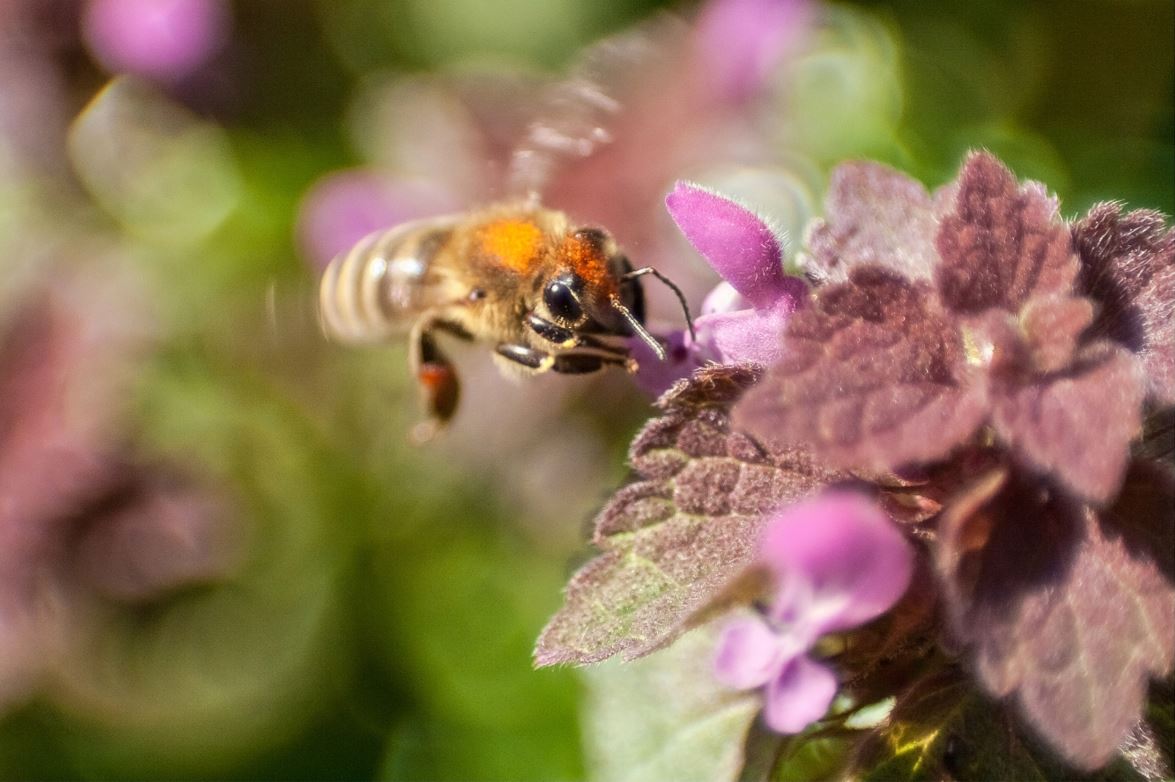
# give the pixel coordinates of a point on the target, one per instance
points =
(743, 41)
(164, 40)
(837, 563)
(82, 523)
(343, 207)
(742, 319)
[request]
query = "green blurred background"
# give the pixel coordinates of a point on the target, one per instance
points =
(379, 617)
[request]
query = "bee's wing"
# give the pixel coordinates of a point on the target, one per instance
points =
(576, 115)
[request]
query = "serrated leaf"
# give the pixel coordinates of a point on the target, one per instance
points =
(1128, 266)
(673, 539)
(1065, 611)
(874, 215)
(666, 717)
(1078, 425)
(1002, 244)
(873, 377)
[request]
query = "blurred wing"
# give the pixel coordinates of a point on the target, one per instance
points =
(576, 116)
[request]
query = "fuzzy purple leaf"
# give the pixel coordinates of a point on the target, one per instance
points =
(1078, 425)
(1128, 266)
(1002, 244)
(673, 539)
(1066, 610)
(874, 215)
(873, 376)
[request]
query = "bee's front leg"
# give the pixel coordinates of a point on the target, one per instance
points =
(436, 377)
(563, 363)
(566, 338)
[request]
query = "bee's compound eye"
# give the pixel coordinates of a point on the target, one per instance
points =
(562, 301)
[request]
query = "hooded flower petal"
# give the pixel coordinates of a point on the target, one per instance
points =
(743, 335)
(857, 563)
(799, 696)
(749, 654)
(735, 242)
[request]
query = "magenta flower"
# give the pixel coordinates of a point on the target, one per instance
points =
(164, 40)
(837, 562)
(742, 318)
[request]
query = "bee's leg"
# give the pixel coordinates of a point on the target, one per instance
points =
(436, 378)
(566, 338)
(564, 363)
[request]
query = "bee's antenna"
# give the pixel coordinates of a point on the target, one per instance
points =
(638, 327)
(632, 275)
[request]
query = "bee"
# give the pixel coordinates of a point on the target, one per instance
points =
(548, 295)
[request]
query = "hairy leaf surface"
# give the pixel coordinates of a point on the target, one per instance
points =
(1003, 244)
(873, 377)
(1128, 266)
(875, 216)
(1066, 610)
(672, 539)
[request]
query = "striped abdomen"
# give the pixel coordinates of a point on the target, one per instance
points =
(378, 287)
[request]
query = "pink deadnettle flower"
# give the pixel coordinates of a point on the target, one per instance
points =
(742, 318)
(345, 206)
(164, 40)
(837, 562)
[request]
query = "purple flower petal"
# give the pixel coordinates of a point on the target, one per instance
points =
(161, 39)
(655, 376)
(734, 241)
(856, 561)
(724, 298)
(749, 654)
(799, 696)
(745, 335)
(740, 42)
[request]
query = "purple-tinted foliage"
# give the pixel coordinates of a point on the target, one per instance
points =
(873, 215)
(164, 40)
(670, 540)
(837, 562)
(1068, 609)
(982, 368)
(742, 319)
(883, 371)
(1128, 267)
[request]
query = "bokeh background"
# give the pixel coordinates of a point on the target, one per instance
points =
(219, 555)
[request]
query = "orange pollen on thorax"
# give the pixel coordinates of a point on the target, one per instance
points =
(586, 261)
(514, 242)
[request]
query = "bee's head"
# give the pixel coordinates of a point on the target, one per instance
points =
(583, 292)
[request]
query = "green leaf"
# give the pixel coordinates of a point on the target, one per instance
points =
(666, 717)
